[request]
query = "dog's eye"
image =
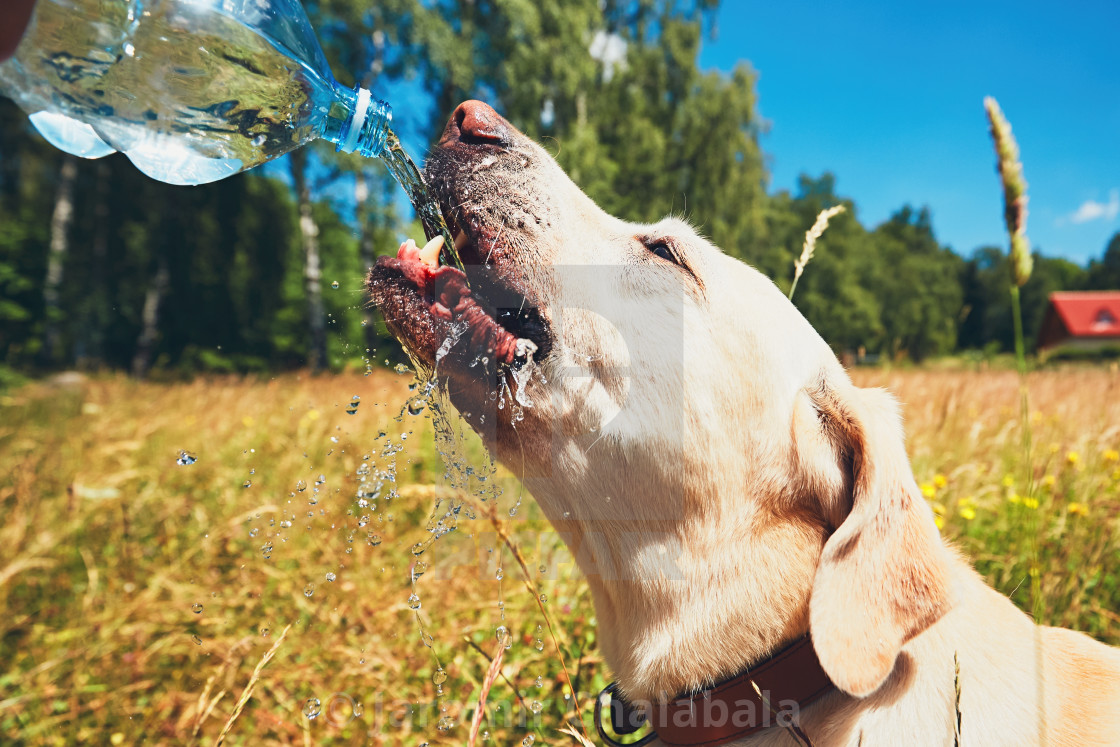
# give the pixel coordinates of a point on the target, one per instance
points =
(664, 250)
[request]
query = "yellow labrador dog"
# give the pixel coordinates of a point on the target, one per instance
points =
(746, 517)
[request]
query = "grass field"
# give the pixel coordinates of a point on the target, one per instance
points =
(139, 595)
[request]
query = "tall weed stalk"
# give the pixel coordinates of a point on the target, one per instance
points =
(1019, 252)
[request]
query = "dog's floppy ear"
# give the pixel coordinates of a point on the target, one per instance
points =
(884, 574)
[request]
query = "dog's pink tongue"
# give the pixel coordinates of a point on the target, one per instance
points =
(453, 301)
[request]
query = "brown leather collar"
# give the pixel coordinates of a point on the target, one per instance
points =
(772, 693)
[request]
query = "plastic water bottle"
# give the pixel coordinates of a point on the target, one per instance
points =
(192, 91)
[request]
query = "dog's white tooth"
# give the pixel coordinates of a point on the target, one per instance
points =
(429, 255)
(460, 240)
(525, 348)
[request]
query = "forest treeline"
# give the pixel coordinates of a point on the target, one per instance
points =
(102, 267)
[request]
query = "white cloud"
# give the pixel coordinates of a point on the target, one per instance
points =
(1093, 210)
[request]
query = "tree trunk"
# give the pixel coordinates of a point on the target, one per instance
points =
(365, 251)
(312, 273)
(149, 317)
(89, 349)
(61, 219)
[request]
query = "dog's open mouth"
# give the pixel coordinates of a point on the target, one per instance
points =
(431, 309)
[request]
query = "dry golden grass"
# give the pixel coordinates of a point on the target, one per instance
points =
(107, 545)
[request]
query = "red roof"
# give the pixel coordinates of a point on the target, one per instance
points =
(1088, 313)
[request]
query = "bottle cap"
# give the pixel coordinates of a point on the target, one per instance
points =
(357, 121)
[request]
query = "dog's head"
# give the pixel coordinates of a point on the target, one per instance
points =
(726, 484)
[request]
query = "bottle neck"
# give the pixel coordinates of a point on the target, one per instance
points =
(361, 124)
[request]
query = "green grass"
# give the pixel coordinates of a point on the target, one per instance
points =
(107, 544)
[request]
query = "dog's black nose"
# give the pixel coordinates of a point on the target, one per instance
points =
(475, 123)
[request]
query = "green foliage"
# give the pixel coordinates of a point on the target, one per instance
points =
(987, 307)
(613, 89)
(1104, 274)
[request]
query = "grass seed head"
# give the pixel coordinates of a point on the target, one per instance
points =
(1014, 191)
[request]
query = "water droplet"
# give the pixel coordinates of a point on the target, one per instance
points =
(528, 741)
(331, 577)
(536, 707)
(539, 681)
(248, 484)
(416, 405)
(264, 632)
(196, 608)
(259, 140)
(445, 723)
(419, 568)
(373, 539)
(266, 550)
(312, 707)
(197, 640)
(186, 459)
(301, 485)
(254, 531)
(499, 574)
(419, 548)
(539, 645)
(544, 598)
(413, 602)
(502, 634)
(309, 590)
(334, 284)
(129, 49)
(440, 676)
(352, 408)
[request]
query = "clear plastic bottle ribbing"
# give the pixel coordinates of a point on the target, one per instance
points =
(192, 91)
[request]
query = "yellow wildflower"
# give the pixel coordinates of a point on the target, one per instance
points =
(1072, 457)
(1078, 509)
(968, 513)
(1048, 482)
(928, 490)
(1111, 455)
(1030, 502)
(939, 521)
(1013, 497)
(1008, 481)
(939, 481)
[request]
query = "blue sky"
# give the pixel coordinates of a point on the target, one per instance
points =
(888, 96)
